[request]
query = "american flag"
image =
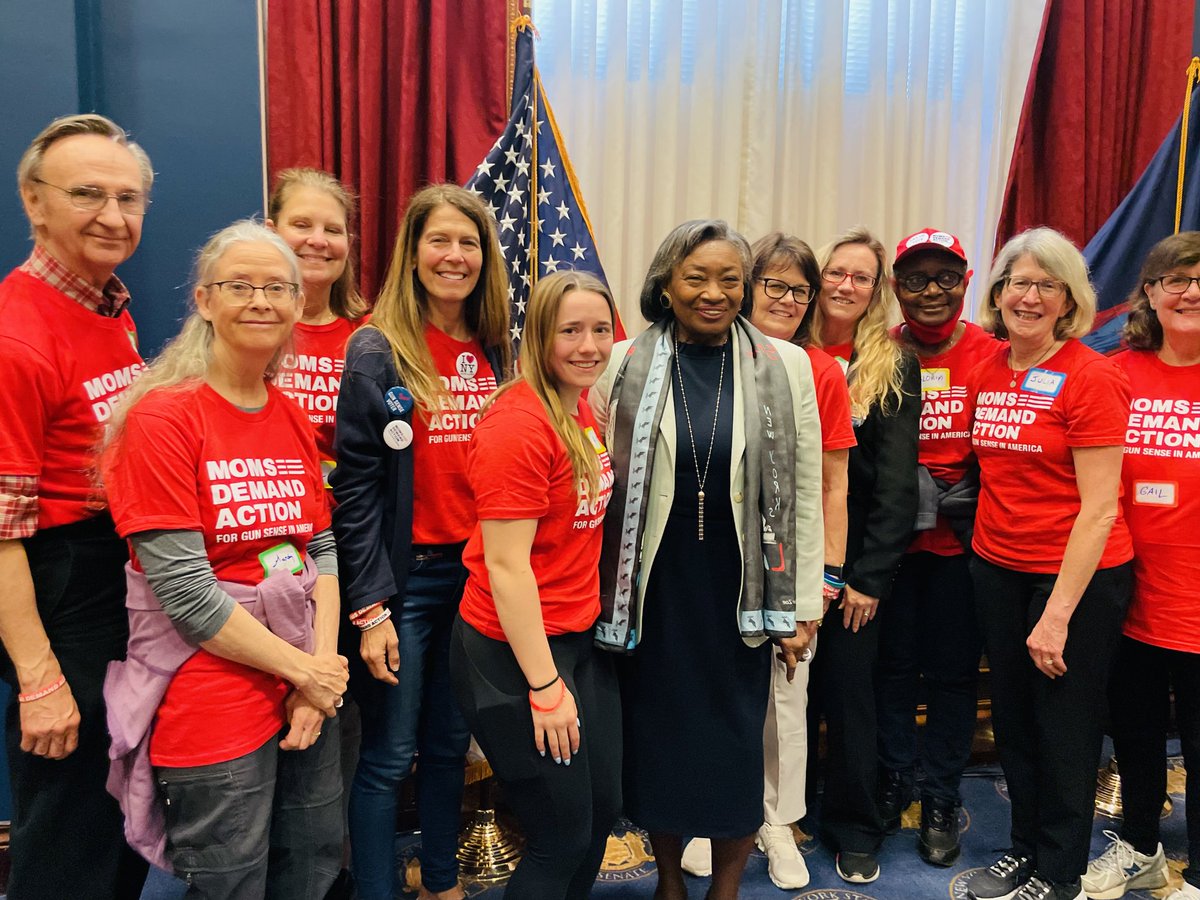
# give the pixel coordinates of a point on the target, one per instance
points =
(527, 182)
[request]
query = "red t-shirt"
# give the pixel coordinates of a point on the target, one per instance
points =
(1023, 435)
(1161, 475)
(312, 375)
(519, 469)
(833, 401)
(840, 353)
(945, 436)
(62, 370)
(443, 505)
(250, 482)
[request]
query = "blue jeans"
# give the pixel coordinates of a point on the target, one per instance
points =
(266, 824)
(417, 716)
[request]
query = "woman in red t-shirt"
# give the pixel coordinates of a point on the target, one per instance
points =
(1160, 648)
(212, 475)
(524, 666)
(415, 381)
(311, 210)
(1052, 571)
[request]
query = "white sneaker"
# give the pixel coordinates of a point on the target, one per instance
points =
(697, 857)
(1186, 892)
(785, 865)
(1120, 868)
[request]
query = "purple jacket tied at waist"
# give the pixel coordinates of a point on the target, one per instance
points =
(135, 686)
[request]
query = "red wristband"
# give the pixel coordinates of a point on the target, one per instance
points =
(43, 691)
(562, 692)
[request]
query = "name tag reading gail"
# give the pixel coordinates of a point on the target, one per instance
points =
(935, 379)
(1044, 382)
(1155, 493)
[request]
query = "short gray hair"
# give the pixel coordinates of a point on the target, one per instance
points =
(676, 247)
(29, 169)
(1061, 259)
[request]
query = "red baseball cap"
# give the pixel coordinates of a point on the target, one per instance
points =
(929, 239)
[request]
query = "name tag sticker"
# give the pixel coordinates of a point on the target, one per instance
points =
(935, 379)
(1044, 382)
(281, 558)
(1156, 493)
(594, 439)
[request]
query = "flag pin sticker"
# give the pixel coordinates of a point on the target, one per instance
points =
(397, 434)
(398, 400)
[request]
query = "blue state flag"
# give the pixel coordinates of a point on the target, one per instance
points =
(527, 182)
(1146, 216)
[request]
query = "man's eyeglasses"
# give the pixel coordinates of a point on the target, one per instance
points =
(91, 198)
(947, 280)
(858, 279)
(243, 291)
(1047, 288)
(777, 290)
(1175, 284)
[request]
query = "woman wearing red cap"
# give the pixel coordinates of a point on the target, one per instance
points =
(929, 631)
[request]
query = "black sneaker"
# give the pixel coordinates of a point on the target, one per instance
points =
(938, 842)
(1039, 889)
(1001, 880)
(857, 868)
(892, 798)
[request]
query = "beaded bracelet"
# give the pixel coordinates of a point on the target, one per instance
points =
(378, 620)
(557, 703)
(366, 612)
(43, 692)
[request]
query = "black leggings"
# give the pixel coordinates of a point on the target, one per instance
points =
(566, 812)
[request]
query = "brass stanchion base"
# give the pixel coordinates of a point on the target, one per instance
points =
(1108, 793)
(487, 851)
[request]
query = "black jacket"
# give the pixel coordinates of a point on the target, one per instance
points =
(882, 500)
(372, 483)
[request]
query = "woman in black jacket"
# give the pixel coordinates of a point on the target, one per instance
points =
(851, 324)
(415, 381)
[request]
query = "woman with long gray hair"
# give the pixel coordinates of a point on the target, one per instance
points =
(225, 745)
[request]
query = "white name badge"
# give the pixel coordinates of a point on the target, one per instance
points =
(281, 558)
(1044, 382)
(1155, 493)
(397, 434)
(935, 379)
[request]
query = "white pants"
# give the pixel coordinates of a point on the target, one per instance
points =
(785, 744)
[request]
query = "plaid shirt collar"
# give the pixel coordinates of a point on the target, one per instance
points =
(109, 301)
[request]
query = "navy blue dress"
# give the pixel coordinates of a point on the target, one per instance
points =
(694, 695)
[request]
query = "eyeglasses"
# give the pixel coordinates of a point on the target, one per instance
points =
(1175, 284)
(91, 198)
(1047, 288)
(777, 290)
(858, 279)
(947, 280)
(243, 291)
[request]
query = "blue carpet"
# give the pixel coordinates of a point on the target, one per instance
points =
(629, 872)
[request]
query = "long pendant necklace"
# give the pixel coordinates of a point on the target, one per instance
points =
(701, 479)
(1017, 373)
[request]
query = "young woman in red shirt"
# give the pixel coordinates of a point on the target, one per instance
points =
(311, 210)
(415, 381)
(1051, 570)
(541, 700)
(213, 476)
(1160, 648)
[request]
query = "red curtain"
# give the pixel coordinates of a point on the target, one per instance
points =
(1107, 85)
(388, 95)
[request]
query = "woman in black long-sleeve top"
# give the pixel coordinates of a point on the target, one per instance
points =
(850, 323)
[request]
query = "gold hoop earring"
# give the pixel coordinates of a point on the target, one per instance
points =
(665, 300)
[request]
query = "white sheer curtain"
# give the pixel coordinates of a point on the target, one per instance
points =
(803, 115)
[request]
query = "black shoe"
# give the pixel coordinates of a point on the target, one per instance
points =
(892, 798)
(1039, 889)
(857, 868)
(938, 842)
(1001, 880)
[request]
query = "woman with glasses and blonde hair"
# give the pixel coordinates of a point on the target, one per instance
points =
(1052, 566)
(311, 210)
(539, 697)
(850, 322)
(1160, 645)
(415, 381)
(222, 716)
